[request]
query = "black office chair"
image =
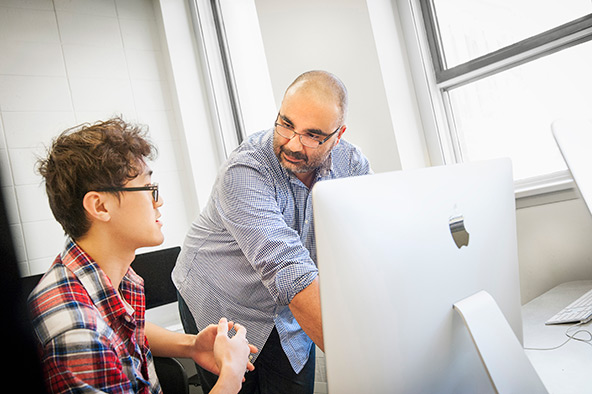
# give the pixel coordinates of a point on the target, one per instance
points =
(172, 375)
(156, 267)
(28, 283)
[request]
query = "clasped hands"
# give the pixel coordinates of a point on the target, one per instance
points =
(220, 354)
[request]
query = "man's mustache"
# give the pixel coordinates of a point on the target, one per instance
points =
(295, 155)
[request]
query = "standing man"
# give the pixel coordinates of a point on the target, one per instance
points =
(251, 253)
(88, 309)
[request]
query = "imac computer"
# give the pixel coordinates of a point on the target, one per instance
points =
(395, 252)
(574, 139)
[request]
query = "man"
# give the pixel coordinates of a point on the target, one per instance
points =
(88, 309)
(251, 254)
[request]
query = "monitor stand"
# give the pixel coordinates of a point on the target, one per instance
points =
(505, 361)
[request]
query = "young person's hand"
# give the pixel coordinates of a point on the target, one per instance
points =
(233, 353)
(224, 356)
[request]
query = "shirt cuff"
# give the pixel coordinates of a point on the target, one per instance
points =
(292, 279)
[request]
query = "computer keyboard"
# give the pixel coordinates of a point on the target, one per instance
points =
(579, 311)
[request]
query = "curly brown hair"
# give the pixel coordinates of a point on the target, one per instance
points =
(88, 157)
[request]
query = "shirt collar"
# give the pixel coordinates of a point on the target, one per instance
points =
(98, 286)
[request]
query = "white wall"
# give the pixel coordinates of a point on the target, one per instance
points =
(554, 245)
(337, 36)
(64, 63)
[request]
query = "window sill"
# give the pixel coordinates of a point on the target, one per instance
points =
(546, 189)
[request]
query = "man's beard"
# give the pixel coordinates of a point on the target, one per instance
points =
(307, 164)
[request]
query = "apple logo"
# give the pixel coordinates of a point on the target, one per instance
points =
(459, 233)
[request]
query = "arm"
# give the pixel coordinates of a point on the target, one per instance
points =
(261, 217)
(211, 348)
(165, 343)
(306, 308)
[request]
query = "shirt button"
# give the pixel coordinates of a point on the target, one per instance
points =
(306, 221)
(127, 318)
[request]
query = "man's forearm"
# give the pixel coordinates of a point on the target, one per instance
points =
(306, 308)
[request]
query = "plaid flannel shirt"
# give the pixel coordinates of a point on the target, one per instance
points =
(88, 339)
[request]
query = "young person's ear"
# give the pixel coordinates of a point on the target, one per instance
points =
(94, 204)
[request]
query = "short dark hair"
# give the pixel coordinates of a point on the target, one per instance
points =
(88, 157)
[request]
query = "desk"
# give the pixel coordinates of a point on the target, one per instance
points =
(569, 368)
(166, 316)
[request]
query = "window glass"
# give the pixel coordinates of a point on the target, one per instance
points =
(472, 28)
(509, 114)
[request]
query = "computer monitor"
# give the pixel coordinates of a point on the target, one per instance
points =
(574, 139)
(394, 256)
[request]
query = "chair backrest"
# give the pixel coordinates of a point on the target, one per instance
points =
(156, 267)
(28, 283)
(172, 376)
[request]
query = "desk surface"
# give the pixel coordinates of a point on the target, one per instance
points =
(569, 368)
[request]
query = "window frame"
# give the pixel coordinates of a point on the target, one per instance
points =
(546, 43)
(433, 82)
(210, 34)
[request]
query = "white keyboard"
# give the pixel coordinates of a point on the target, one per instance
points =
(579, 311)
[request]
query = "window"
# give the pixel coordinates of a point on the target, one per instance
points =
(504, 71)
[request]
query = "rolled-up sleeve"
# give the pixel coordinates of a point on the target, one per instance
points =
(249, 208)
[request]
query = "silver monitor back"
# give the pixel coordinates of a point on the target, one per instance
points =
(390, 271)
(574, 138)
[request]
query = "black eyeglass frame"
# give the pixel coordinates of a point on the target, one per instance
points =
(153, 187)
(276, 124)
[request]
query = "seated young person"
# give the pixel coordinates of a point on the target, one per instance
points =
(88, 309)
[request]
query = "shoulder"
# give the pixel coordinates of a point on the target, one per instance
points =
(348, 160)
(252, 162)
(60, 303)
(255, 150)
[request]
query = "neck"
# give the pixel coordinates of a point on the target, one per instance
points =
(307, 178)
(113, 259)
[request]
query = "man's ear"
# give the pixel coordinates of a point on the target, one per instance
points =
(339, 134)
(95, 205)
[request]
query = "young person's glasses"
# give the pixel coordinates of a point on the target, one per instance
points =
(153, 187)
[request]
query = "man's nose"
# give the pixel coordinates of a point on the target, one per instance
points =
(294, 144)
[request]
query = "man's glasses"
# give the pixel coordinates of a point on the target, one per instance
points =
(308, 139)
(153, 187)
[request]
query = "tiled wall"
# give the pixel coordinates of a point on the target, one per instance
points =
(64, 62)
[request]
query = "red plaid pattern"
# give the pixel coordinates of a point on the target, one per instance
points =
(88, 340)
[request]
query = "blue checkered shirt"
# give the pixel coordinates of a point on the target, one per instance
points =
(252, 249)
